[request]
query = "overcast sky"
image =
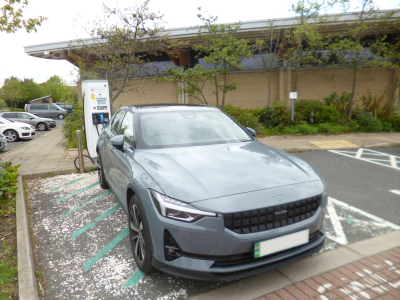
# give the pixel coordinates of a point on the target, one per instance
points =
(64, 18)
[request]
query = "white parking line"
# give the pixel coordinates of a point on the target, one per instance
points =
(397, 192)
(337, 226)
(392, 161)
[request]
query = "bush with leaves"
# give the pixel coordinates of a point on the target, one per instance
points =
(341, 103)
(322, 112)
(73, 122)
(375, 105)
(367, 123)
(8, 179)
(393, 120)
(277, 115)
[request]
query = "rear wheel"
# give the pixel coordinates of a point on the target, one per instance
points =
(100, 174)
(61, 116)
(139, 233)
(41, 126)
(11, 135)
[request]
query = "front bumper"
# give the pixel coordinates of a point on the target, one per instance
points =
(27, 134)
(51, 125)
(209, 251)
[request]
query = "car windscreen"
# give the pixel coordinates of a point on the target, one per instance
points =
(188, 128)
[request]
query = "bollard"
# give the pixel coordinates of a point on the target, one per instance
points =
(80, 150)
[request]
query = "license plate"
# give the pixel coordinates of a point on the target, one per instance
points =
(281, 243)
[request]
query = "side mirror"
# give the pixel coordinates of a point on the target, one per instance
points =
(31, 118)
(251, 131)
(118, 141)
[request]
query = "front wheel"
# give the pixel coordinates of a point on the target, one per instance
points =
(11, 135)
(41, 127)
(61, 116)
(100, 174)
(139, 233)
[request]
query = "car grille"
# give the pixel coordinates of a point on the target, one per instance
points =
(272, 217)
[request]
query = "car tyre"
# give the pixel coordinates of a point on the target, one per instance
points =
(42, 126)
(11, 135)
(61, 116)
(100, 173)
(139, 235)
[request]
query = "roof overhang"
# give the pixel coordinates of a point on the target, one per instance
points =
(250, 30)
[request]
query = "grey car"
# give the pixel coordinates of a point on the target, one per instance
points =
(38, 122)
(46, 110)
(205, 200)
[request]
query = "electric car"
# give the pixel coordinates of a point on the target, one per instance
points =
(205, 200)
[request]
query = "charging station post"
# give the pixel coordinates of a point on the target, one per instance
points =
(96, 111)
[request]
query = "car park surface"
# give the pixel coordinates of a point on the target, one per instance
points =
(83, 250)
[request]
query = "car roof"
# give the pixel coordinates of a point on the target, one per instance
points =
(167, 107)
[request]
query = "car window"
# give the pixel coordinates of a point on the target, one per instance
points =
(10, 115)
(127, 127)
(117, 121)
(41, 107)
(22, 116)
(53, 107)
(69, 106)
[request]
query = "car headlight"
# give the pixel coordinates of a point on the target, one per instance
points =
(25, 128)
(177, 210)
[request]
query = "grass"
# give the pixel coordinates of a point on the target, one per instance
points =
(8, 250)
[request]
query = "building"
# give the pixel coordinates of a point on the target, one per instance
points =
(314, 82)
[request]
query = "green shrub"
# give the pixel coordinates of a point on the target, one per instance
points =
(367, 123)
(73, 122)
(393, 120)
(245, 117)
(375, 105)
(330, 99)
(322, 112)
(278, 115)
(323, 128)
(341, 103)
(387, 126)
(8, 179)
(307, 129)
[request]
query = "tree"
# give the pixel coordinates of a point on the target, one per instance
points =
(11, 92)
(349, 48)
(222, 54)
(391, 54)
(58, 89)
(268, 54)
(303, 39)
(11, 17)
(121, 46)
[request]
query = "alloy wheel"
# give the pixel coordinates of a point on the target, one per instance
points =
(11, 135)
(136, 227)
(41, 127)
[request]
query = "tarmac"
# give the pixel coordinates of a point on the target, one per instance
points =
(369, 269)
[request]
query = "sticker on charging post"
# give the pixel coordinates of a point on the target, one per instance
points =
(93, 97)
(281, 243)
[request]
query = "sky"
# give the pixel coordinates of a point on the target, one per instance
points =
(65, 19)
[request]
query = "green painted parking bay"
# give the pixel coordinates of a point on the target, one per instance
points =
(82, 241)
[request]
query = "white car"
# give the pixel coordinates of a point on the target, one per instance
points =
(16, 130)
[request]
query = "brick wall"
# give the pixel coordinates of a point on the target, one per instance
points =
(253, 91)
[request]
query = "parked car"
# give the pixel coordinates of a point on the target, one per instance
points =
(46, 110)
(65, 106)
(38, 122)
(3, 141)
(205, 200)
(16, 130)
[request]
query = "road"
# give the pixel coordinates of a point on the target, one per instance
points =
(20, 142)
(81, 238)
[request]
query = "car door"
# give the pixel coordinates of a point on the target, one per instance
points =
(122, 158)
(109, 155)
(54, 111)
(42, 110)
(25, 118)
